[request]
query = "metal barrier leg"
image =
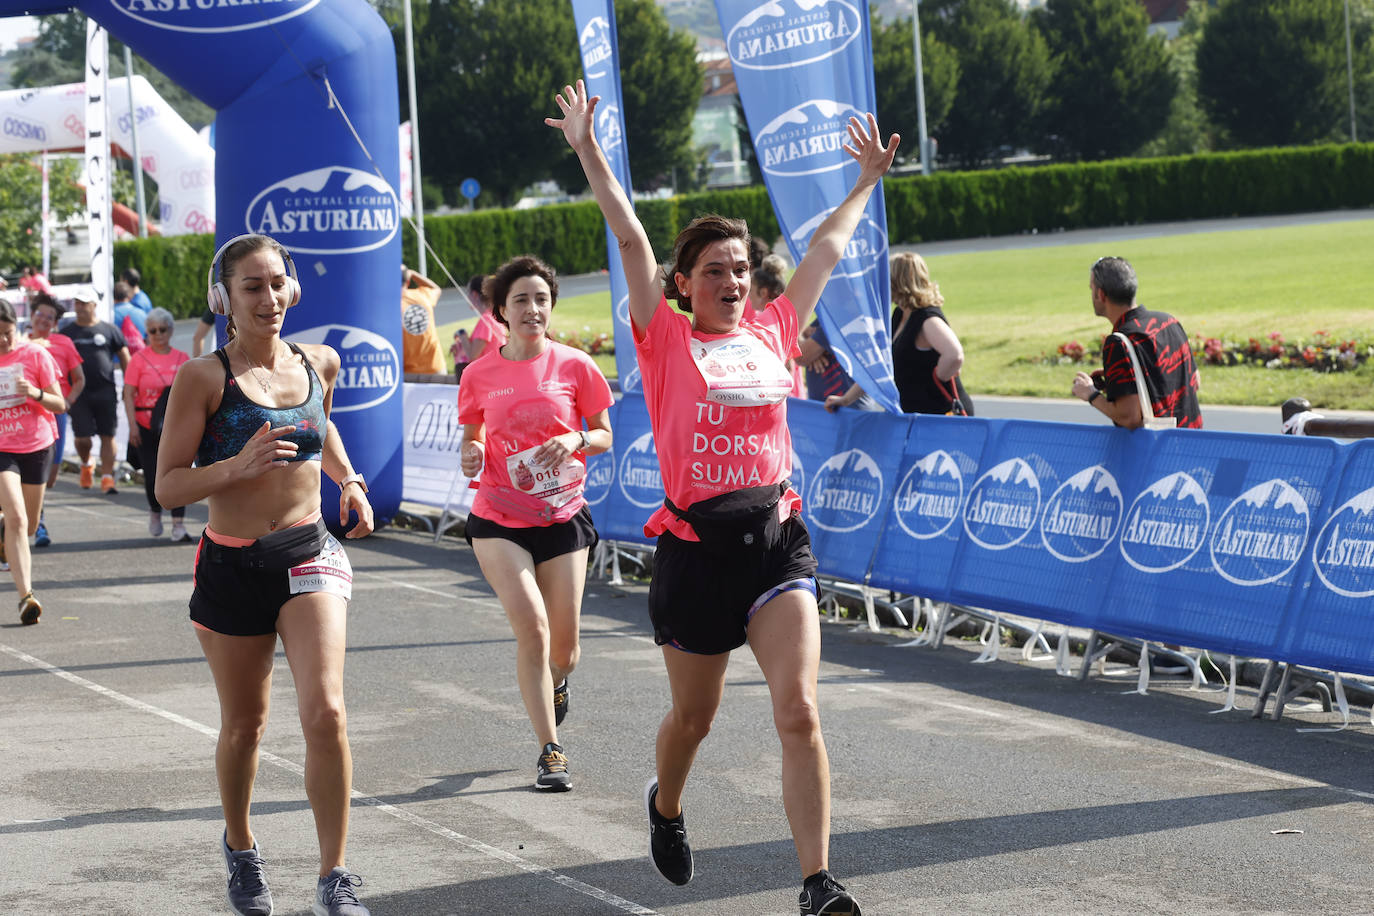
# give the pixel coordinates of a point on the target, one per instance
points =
(1266, 685)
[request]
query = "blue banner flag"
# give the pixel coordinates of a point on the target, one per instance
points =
(601, 72)
(804, 68)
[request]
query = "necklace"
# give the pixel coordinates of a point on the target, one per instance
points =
(266, 386)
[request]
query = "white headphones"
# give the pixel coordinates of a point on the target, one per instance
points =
(217, 294)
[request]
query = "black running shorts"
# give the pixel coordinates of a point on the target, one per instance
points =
(94, 414)
(542, 542)
(701, 600)
(32, 467)
(246, 602)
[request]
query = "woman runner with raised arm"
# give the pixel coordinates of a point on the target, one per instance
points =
(733, 562)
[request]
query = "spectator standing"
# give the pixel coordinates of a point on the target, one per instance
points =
(35, 281)
(137, 296)
(926, 353)
(46, 312)
(149, 376)
(29, 395)
(423, 351)
(131, 320)
(826, 380)
(204, 328)
(459, 349)
(489, 331)
(1161, 347)
(94, 413)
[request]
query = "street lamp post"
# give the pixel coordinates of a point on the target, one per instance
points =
(923, 140)
(1350, 74)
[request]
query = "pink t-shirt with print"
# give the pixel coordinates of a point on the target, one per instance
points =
(523, 403)
(149, 373)
(707, 448)
(490, 330)
(25, 426)
(63, 352)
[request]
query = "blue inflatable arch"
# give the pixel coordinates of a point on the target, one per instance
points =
(282, 74)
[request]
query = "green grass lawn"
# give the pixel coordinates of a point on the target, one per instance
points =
(1012, 307)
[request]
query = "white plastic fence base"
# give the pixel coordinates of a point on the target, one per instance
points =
(991, 639)
(1343, 705)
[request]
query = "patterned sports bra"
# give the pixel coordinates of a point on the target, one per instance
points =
(238, 417)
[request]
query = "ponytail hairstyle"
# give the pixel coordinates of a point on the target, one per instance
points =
(911, 284)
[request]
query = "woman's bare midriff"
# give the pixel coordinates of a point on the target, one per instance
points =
(276, 500)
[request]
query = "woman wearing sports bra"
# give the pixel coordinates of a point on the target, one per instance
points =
(926, 353)
(247, 429)
(733, 562)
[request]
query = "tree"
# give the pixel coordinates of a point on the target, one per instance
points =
(1273, 72)
(21, 189)
(894, 75)
(486, 75)
(1112, 83)
(1004, 72)
(1187, 131)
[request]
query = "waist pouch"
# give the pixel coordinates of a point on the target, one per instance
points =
(531, 509)
(277, 551)
(741, 520)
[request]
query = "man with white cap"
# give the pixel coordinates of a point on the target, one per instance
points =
(96, 411)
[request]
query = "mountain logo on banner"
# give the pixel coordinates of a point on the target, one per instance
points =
(867, 338)
(640, 479)
(1003, 505)
(846, 492)
(369, 370)
(597, 52)
(807, 139)
(1261, 535)
(622, 310)
(780, 34)
(798, 475)
(930, 496)
(1082, 516)
(600, 475)
(866, 247)
(210, 15)
(1343, 552)
(333, 210)
(608, 131)
(1166, 524)
(633, 382)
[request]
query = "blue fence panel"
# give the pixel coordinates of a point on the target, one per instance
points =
(601, 477)
(638, 487)
(920, 539)
(849, 460)
(1039, 520)
(1216, 539)
(1334, 626)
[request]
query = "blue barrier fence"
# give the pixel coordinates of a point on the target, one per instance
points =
(1247, 544)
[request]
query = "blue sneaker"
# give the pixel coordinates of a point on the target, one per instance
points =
(40, 537)
(248, 894)
(334, 895)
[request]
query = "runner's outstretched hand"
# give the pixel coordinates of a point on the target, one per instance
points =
(579, 115)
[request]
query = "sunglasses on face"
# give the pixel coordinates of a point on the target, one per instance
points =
(159, 330)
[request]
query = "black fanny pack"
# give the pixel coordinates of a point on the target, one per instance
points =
(739, 520)
(277, 551)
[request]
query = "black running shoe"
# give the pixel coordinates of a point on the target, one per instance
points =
(551, 772)
(667, 840)
(560, 702)
(822, 895)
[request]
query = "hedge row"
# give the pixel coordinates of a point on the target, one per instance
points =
(946, 205)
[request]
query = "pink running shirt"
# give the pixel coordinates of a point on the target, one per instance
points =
(25, 426)
(63, 352)
(705, 448)
(149, 373)
(490, 330)
(522, 404)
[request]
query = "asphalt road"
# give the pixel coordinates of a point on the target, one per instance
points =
(958, 788)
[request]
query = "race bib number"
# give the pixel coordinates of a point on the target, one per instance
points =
(10, 395)
(554, 486)
(741, 371)
(330, 572)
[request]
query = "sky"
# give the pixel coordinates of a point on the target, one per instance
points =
(14, 28)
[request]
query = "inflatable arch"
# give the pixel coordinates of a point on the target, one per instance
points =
(287, 78)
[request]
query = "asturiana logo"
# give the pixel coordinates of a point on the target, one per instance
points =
(1082, 516)
(867, 338)
(797, 475)
(600, 476)
(608, 130)
(1003, 505)
(596, 48)
(640, 479)
(846, 492)
(1262, 534)
(866, 247)
(1343, 551)
(930, 496)
(806, 139)
(209, 16)
(333, 210)
(369, 371)
(788, 33)
(1166, 524)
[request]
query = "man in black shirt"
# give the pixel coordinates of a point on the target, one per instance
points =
(95, 412)
(1160, 344)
